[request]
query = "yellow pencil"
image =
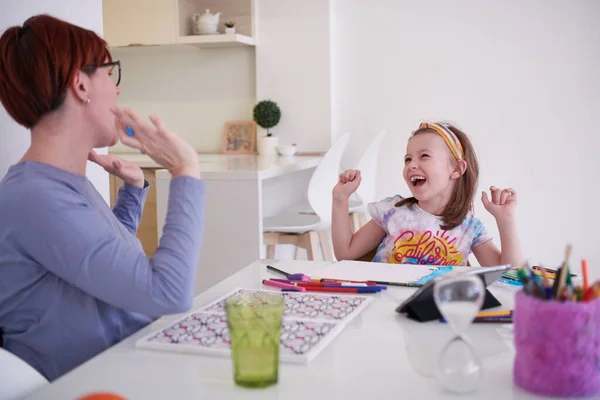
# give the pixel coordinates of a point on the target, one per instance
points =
(501, 313)
(545, 279)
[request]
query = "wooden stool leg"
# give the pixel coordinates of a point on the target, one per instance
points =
(270, 239)
(270, 251)
(312, 244)
(297, 253)
(354, 222)
(362, 219)
(325, 246)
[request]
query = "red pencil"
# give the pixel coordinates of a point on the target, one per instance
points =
(584, 270)
(589, 293)
(320, 284)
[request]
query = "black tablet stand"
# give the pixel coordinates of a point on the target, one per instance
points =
(424, 309)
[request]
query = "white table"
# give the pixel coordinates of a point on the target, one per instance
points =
(240, 191)
(379, 355)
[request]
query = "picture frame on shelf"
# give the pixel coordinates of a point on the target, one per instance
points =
(239, 137)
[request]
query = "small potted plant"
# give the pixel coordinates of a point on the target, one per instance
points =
(267, 114)
(230, 27)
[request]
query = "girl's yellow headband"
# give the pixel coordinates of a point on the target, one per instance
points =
(448, 136)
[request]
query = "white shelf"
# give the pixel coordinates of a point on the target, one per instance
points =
(216, 40)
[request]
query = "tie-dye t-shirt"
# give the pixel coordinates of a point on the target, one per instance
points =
(413, 236)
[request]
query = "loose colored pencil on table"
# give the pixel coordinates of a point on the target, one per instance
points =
(294, 277)
(498, 320)
(328, 284)
(317, 287)
(281, 285)
(502, 316)
(335, 289)
(306, 278)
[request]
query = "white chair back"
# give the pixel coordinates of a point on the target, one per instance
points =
(17, 378)
(367, 166)
(324, 178)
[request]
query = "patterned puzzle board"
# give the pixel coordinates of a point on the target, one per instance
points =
(310, 322)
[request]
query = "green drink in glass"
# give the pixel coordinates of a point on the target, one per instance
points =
(254, 321)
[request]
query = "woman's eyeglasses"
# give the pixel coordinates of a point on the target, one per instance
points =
(114, 71)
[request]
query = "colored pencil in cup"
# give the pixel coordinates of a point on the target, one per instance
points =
(584, 272)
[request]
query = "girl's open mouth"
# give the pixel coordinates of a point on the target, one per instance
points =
(417, 180)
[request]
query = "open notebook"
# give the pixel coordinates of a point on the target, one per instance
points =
(382, 272)
(310, 322)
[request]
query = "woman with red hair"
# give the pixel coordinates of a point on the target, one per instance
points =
(74, 279)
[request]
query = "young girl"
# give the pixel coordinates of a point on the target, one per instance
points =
(435, 226)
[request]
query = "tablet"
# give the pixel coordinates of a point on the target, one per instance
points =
(421, 304)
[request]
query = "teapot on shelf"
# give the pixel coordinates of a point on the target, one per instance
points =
(206, 23)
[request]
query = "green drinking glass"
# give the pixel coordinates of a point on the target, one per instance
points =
(254, 321)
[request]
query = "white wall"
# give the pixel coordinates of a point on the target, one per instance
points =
(15, 139)
(194, 91)
(521, 78)
(293, 69)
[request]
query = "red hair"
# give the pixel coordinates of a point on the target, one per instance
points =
(39, 60)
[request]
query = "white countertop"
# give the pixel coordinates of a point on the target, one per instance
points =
(227, 166)
(379, 355)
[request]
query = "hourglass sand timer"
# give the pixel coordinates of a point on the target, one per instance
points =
(459, 299)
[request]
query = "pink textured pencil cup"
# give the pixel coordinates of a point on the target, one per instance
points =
(557, 346)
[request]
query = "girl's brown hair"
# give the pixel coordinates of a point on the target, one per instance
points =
(461, 201)
(39, 60)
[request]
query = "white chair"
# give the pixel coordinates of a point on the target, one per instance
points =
(365, 194)
(17, 378)
(367, 165)
(304, 230)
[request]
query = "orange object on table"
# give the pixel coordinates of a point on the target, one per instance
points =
(101, 396)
